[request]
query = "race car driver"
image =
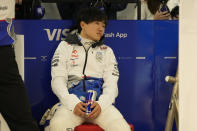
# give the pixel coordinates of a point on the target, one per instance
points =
(80, 63)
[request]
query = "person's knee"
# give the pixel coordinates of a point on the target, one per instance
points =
(118, 125)
(55, 125)
(60, 125)
(112, 120)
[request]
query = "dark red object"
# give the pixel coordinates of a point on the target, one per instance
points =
(93, 127)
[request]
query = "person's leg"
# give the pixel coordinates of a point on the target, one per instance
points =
(64, 120)
(111, 120)
(14, 105)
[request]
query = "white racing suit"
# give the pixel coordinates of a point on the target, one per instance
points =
(76, 70)
(172, 3)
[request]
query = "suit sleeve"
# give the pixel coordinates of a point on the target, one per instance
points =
(110, 77)
(60, 76)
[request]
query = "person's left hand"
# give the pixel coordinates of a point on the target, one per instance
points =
(162, 15)
(96, 110)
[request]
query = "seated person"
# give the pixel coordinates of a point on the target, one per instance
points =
(81, 63)
(151, 9)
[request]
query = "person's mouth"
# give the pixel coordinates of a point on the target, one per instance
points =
(100, 34)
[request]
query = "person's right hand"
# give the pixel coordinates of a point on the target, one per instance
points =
(96, 110)
(80, 109)
(162, 15)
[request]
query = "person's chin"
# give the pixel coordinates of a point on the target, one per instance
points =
(97, 39)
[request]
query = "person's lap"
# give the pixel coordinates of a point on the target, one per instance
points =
(64, 119)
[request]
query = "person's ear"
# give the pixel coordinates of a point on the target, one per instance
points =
(82, 24)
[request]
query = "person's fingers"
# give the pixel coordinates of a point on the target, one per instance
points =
(94, 113)
(164, 17)
(82, 114)
(82, 106)
(76, 112)
(165, 12)
(79, 110)
(167, 15)
(93, 104)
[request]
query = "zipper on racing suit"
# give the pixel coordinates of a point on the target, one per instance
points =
(84, 67)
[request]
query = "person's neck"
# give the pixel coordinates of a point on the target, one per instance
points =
(84, 38)
(86, 42)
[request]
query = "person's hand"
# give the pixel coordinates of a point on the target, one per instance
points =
(96, 110)
(162, 15)
(80, 109)
(19, 2)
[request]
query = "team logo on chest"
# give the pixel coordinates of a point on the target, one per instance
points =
(74, 54)
(74, 57)
(99, 56)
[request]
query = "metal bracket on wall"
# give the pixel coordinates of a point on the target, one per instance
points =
(173, 111)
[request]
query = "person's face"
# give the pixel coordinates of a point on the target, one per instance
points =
(93, 30)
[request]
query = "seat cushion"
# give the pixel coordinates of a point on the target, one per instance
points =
(93, 127)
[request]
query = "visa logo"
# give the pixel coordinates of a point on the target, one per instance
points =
(56, 34)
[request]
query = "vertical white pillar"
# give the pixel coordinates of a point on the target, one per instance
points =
(19, 52)
(188, 65)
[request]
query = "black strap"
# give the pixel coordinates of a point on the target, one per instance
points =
(84, 85)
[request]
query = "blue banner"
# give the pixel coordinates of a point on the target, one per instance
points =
(146, 51)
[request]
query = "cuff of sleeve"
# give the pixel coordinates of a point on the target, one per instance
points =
(70, 101)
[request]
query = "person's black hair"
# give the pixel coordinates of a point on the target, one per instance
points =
(89, 15)
(175, 12)
(153, 5)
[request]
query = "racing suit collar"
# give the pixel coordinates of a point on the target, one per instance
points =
(86, 42)
(74, 39)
